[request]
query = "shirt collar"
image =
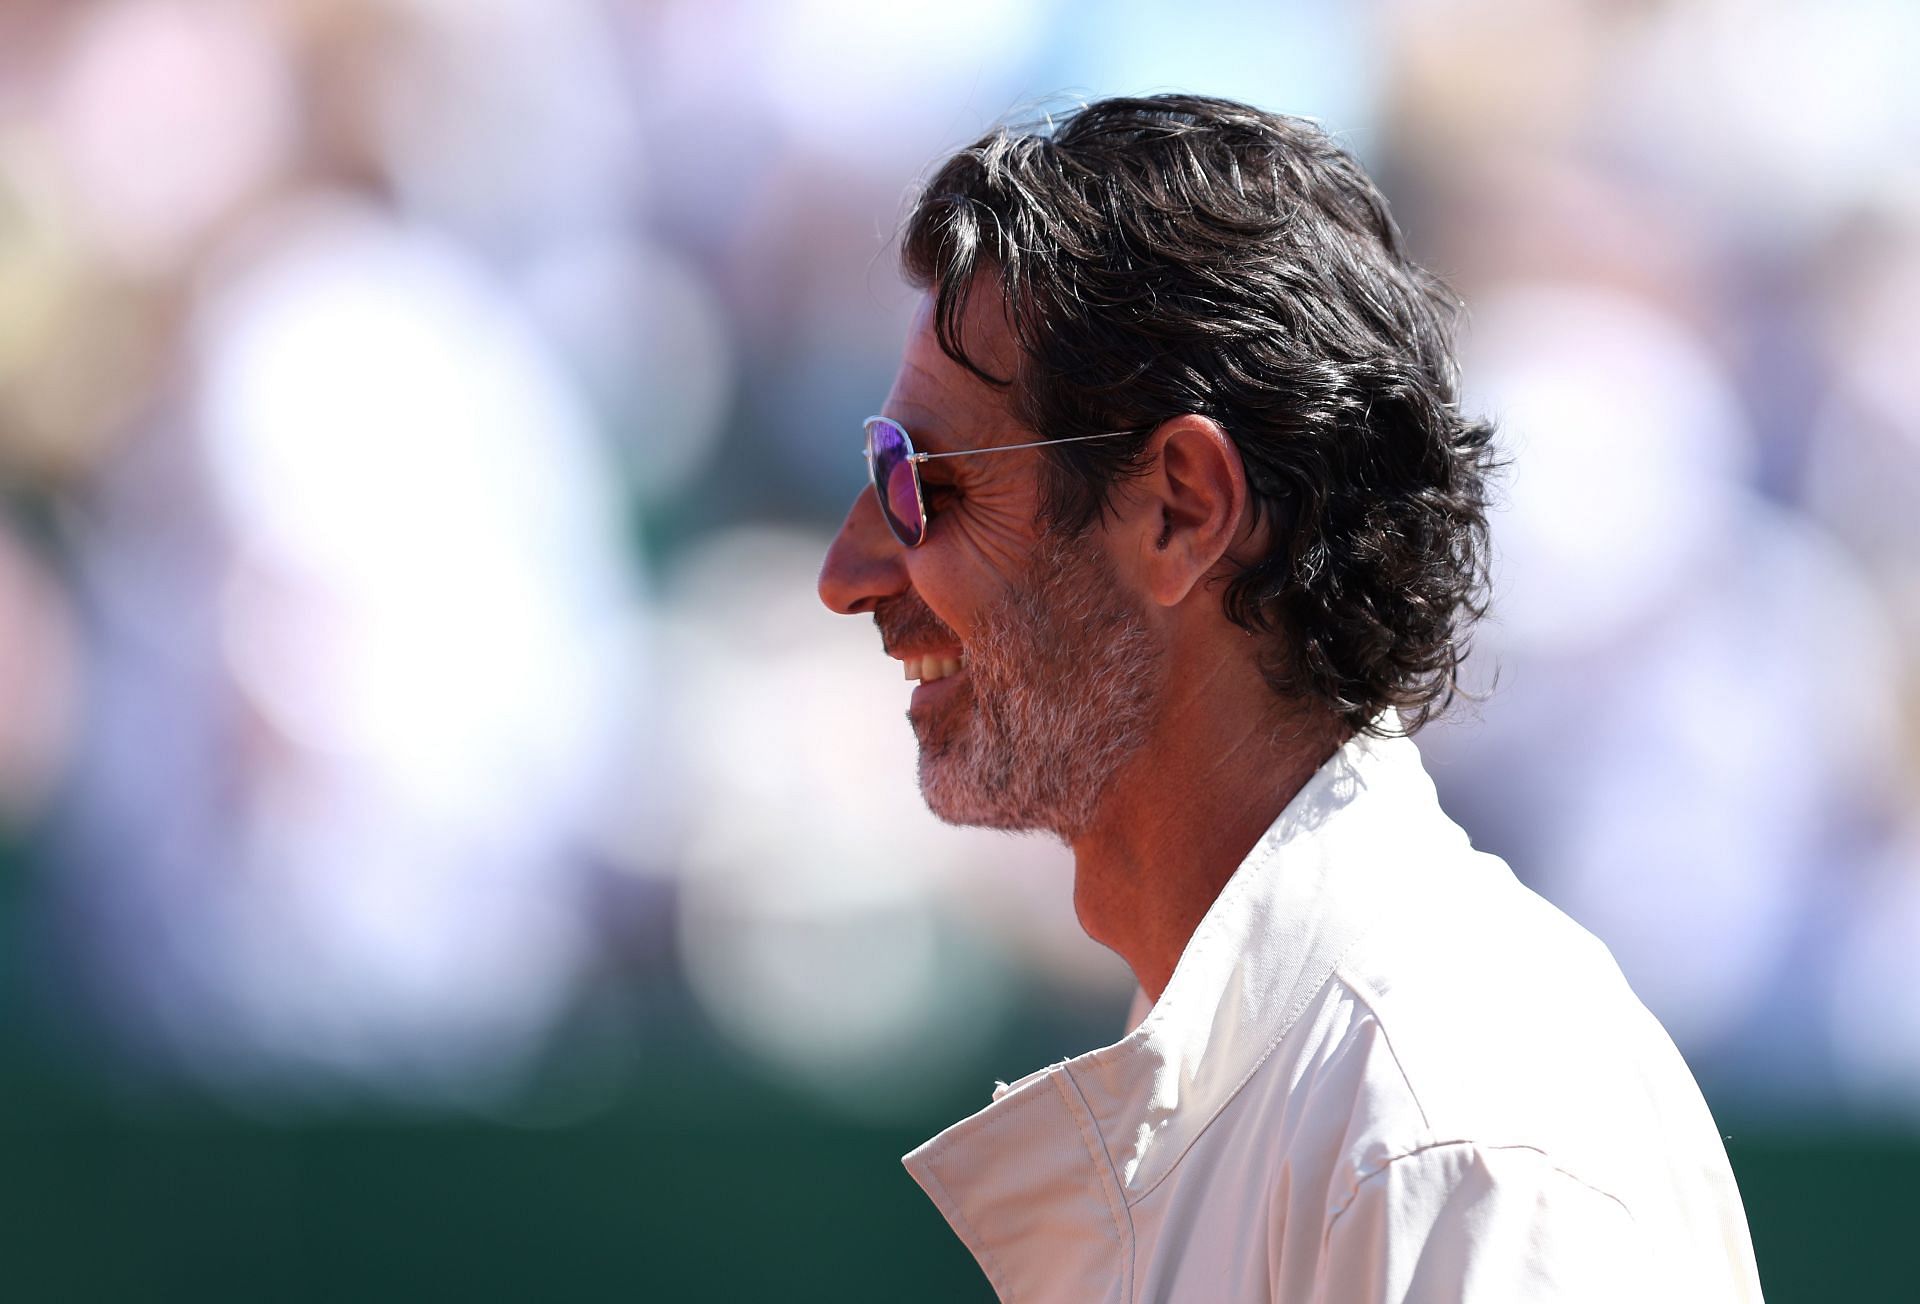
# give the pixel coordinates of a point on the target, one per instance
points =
(1113, 1122)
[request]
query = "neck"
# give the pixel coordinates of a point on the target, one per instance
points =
(1177, 821)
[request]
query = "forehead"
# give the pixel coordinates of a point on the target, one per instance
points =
(944, 405)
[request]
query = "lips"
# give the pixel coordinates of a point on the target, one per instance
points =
(934, 695)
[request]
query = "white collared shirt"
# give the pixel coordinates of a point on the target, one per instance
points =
(1383, 1069)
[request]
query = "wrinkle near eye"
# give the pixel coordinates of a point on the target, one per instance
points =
(996, 532)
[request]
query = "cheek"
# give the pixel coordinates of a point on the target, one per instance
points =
(952, 585)
(975, 554)
(995, 530)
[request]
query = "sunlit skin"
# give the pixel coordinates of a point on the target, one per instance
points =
(1224, 755)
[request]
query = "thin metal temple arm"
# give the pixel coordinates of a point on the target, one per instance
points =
(1010, 448)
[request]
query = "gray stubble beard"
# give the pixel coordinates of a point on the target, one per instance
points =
(1063, 677)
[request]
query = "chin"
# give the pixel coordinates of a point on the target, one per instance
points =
(957, 794)
(952, 797)
(959, 790)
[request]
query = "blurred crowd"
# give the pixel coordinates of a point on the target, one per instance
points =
(421, 421)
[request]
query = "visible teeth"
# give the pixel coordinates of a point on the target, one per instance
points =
(930, 668)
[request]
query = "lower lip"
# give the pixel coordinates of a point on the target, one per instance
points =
(928, 695)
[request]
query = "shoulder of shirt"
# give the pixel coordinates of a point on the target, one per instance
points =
(1482, 1017)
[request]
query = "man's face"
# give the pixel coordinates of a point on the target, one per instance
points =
(1059, 670)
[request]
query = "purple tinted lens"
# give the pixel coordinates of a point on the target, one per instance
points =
(893, 480)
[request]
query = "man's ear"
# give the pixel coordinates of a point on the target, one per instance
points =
(1188, 509)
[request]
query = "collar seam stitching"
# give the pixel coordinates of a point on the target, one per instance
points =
(1371, 999)
(1115, 1195)
(989, 1262)
(1287, 1024)
(1238, 886)
(1478, 1147)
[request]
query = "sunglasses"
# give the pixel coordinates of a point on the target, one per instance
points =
(895, 467)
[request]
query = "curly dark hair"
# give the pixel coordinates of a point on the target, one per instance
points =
(1182, 254)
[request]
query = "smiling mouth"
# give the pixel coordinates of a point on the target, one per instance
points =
(927, 669)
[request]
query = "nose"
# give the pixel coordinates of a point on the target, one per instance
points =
(865, 564)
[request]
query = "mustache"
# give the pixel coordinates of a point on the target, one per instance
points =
(906, 621)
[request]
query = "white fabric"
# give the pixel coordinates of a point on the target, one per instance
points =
(1382, 1070)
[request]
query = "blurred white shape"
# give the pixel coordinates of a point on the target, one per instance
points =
(1627, 448)
(417, 488)
(427, 604)
(167, 114)
(649, 341)
(825, 912)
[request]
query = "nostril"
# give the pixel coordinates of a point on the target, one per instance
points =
(862, 566)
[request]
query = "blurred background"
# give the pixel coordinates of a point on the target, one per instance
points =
(446, 850)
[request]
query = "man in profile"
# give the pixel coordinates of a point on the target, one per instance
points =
(1177, 522)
